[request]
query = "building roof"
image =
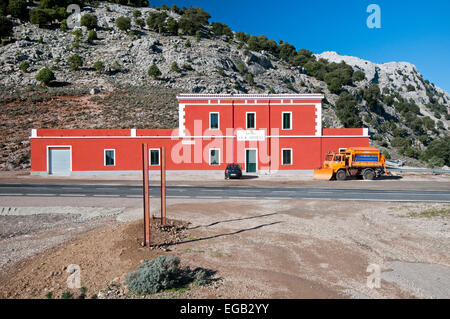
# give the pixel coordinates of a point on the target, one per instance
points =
(199, 96)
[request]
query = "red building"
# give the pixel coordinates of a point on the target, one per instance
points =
(262, 132)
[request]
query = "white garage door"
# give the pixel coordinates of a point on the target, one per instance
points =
(59, 161)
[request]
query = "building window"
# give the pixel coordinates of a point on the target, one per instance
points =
(154, 157)
(251, 120)
(214, 156)
(110, 158)
(214, 121)
(287, 120)
(287, 156)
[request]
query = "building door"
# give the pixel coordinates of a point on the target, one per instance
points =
(59, 161)
(250, 161)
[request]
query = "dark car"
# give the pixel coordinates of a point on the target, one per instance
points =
(233, 171)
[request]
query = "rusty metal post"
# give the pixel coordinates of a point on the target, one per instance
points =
(163, 186)
(146, 195)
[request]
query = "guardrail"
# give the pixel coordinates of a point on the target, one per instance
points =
(418, 170)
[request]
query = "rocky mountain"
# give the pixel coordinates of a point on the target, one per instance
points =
(404, 112)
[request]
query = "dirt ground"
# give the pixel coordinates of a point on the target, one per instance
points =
(260, 249)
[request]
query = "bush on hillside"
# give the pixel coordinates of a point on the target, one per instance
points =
(89, 21)
(6, 26)
(346, 110)
(75, 61)
(193, 19)
(156, 21)
(154, 72)
(123, 23)
(220, 29)
(45, 76)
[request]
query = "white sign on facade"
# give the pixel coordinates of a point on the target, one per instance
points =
(250, 135)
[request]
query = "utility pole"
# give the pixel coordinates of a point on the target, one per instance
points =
(145, 193)
(163, 186)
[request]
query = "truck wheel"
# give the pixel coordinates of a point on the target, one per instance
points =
(368, 174)
(341, 175)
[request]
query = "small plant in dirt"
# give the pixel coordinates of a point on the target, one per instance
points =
(45, 76)
(116, 67)
(174, 67)
(163, 273)
(49, 295)
(83, 291)
(75, 61)
(89, 21)
(24, 66)
(99, 66)
(123, 23)
(66, 295)
(154, 72)
(92, 35)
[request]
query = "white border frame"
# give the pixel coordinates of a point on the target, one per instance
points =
(209, 161)
(104, 157)
(245, 162)
(150, 156)
(58, 146)
(282, 156)
(290, 121)
(246, 121)
(218, 120)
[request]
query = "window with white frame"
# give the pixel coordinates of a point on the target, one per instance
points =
(214, 121)
(109, 157)
(154, 157)
(286, 156)
(214, 156)
(287, 120)
(251, 120)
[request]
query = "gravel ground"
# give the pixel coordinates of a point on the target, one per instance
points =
(260, 249)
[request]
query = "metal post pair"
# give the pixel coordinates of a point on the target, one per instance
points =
(146, 199)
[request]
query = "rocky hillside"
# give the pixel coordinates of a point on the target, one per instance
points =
(172, 50)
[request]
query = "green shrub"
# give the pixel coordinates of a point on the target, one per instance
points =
(137, 14)
(220, 71)
(140, 22)
(410, 88)
(66, 295)
(123, 23)
(220, 29)
(77, 33)
(242, 36)
(75, 61)
(249, 78)
(187, 67)
(346, 110)
(6, 26)
(358, 76)
(92, 35)
(174, 67)
(116, 67)
(438, 148)
(156, 21)
(45, 76)
(24, 66)
(154, 71)
(372, 95)
(241, 68)
(162, 273)
(187, 44)
(172, 26)
(198, 36)
(63, 25)
(89, 21)
(40, 17)
(99, 66)
(18, 8)
(193, 19)
(436, 162)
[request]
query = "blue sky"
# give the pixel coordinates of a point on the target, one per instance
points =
(411, 31)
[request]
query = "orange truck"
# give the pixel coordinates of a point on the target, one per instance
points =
(365, 162)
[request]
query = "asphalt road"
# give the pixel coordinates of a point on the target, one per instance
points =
(230, 192)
